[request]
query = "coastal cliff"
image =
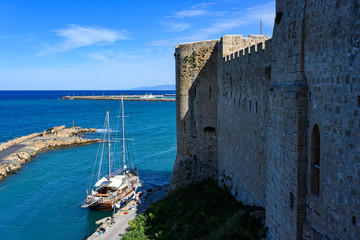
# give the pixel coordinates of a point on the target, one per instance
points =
(16, 152)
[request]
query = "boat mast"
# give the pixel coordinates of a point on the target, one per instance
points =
(123, 131)
(108, 130)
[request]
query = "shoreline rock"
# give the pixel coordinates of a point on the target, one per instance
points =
(27, 147)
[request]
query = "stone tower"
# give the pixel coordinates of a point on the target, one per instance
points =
(198, 66)
(196, 110)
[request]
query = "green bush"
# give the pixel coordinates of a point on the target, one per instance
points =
(198, 211)
(137, 229)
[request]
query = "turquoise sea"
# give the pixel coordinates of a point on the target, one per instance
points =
(41, 200)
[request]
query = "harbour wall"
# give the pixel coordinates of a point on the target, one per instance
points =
(152, 98)
(14, 153)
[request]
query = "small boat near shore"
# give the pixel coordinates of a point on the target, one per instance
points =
(117, 186)
(146, 96)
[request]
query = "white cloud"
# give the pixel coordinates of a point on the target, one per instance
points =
(190, 13)
(98, 56)
(266, 12)
(162, 43)
(176, 26)
(203, 5)
(219, 27)
(114, 55)
(196, 11)
(75, 36)
(241, 19)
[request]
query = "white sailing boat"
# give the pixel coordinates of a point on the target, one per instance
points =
(116, 187)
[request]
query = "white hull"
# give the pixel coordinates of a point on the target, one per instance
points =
(112, 192)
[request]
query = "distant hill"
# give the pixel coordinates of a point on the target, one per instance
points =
(158, 87)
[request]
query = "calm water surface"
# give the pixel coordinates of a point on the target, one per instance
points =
(41, 201)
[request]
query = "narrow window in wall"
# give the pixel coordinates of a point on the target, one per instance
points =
(256, 107)
(250, 106)
(210, 130)
(315, 161)
(209, 92)
(195, 90)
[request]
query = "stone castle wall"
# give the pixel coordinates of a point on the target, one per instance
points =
(332, 70)
(242, 110)
(197, 92)
(196, 110)
(281, 126)
(287, 125)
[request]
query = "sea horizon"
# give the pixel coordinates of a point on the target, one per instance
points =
(54, 182)
(54, 94)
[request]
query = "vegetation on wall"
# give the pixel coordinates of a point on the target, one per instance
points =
(191, 59)
(199, 211)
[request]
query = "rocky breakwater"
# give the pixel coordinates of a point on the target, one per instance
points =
(16, 152)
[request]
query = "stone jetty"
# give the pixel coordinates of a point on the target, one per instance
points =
(16, 152)
(153, 98)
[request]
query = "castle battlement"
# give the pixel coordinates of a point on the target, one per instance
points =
(258, 49)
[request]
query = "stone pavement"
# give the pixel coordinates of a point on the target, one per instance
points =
(118, 228)
(4, 153)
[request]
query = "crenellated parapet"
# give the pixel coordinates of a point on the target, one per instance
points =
(256, 52)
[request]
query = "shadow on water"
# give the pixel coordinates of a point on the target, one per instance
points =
(152, 178)
(92, 216)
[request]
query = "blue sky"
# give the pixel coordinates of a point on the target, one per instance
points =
(111, 45)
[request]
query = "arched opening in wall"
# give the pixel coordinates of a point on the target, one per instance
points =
(315, 161)
(209, 130)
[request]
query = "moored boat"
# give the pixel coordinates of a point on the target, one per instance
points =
(116, 187)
